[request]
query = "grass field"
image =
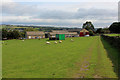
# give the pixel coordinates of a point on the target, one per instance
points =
(0, 59)
(87, 57)
(113, 34)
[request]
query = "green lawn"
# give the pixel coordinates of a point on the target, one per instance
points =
(85, 57)
(0, 59)
(113, 34)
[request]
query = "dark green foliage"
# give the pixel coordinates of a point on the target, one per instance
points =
(30, 29)
(89, 26)
(104, 30)
(16, 34)
(91, 33)
(4, 33)
(113, 40)
(99, 30)
(115, 27)
(112, 53)
(22, 34)
(11, 34)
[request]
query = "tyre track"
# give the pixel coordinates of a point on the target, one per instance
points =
(85, 64)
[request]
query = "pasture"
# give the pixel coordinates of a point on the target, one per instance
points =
(112, 34)
(84, 57)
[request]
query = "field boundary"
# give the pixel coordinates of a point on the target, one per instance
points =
(113, 40)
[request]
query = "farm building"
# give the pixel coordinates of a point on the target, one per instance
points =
(54, 33)
(60, 36)
(46, 34)
(84, 32)
(74, 30)
(35, 34)
(67, 33)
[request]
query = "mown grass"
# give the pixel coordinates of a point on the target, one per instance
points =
(113, 54)
(0, 59)
(112, 34)
(36, 59)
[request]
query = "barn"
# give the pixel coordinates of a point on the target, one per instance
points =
(67, 34)
(35, 34)
(84, 32)
(56, 36)
(61, 34)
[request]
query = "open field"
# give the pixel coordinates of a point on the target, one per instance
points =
(112, 34)
(88, 57)
(0, 59)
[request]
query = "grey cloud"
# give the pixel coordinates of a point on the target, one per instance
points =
(12, 8)
(55, 14)
(94, 12)
(81, 13)
(35, 12)
(17, 9)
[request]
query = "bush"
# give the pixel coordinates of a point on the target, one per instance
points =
(115, 27)
(91, 33)
(11, 34)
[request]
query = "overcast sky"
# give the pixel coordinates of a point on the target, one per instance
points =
(62, 13)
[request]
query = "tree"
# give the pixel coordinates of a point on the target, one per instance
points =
(115, 27)
(104, 30)
(4, 33)
(99, 30)
(11, 34)
(16, 34)
(30, 29)
(22, 34)
(91, 33)
(89, 26)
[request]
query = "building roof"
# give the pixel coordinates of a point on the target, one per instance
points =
(53, 33)
(84, 30)
(35, 33)
(59, 31)
(74, 30)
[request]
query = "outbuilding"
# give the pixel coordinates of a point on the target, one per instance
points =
(60, 36)
(35, 34)
(84, 32)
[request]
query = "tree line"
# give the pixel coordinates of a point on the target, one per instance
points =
(11, 34)
(16, 34)
(114, 28)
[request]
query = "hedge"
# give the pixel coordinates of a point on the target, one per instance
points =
(113, 40)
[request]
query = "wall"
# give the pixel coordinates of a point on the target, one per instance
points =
(34, 37)
(113, 40)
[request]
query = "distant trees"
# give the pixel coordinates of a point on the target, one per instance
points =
(115, 27)
(90, 27)
(91, 33)
(30, 29)
(99, 30)
(4, 33)
(103, 30)
(15, 34)
(10, 34)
